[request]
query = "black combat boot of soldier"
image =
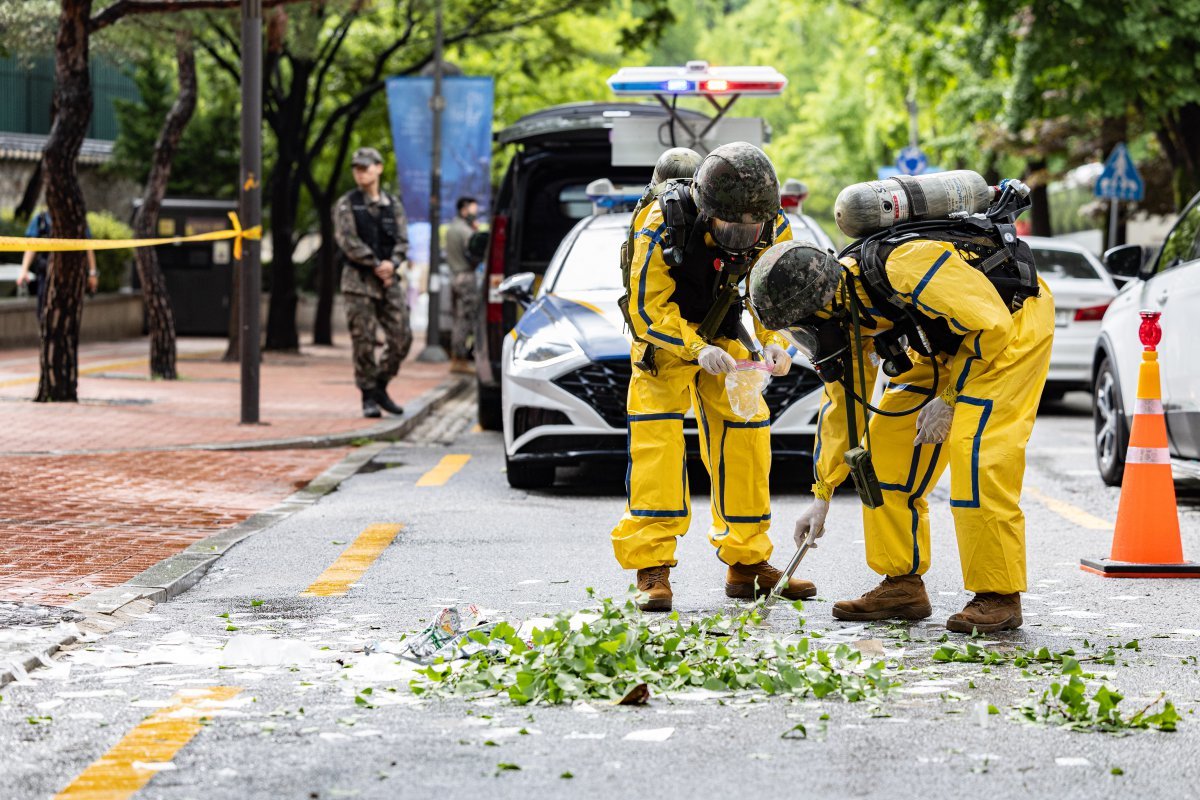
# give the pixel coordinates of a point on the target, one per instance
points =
(370, 407)
(385, 402)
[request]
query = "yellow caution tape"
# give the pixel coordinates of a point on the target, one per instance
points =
(19, 244)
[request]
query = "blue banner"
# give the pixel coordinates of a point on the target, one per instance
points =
(466, 142)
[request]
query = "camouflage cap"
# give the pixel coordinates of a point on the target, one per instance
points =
(675, 164)
(366, 157)
(737, 183)
(791, 281)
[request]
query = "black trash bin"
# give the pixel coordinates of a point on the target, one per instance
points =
(199, 275)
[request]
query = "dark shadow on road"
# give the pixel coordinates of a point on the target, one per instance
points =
(1072, 404)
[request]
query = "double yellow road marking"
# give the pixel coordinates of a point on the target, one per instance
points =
(129, 764)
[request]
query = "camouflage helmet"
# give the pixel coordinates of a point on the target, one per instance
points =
(675, 164)
(791, 281)
(737, 183)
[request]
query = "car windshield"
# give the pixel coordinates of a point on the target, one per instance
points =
(594, 263)
(1064, 264)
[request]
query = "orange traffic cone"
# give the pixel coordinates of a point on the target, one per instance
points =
(1146, 542)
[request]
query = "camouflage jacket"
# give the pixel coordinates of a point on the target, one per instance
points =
(358, 277)
(458, 240)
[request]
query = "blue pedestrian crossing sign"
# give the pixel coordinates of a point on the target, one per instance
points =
(911, 161)
(1120, 179)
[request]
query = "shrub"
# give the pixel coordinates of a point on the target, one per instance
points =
(114, 266)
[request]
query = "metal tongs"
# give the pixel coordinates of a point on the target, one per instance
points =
(809, 543)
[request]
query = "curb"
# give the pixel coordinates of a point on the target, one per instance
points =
(175, 574)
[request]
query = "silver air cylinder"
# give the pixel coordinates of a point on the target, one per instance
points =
(865, 208)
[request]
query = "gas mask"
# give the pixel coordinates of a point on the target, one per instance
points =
(824, 342)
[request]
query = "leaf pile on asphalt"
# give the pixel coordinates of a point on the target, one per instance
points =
(609, 651)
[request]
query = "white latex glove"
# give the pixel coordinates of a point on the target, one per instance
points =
(716, 361)
(777, 359)
(933, 422)
(812, 520)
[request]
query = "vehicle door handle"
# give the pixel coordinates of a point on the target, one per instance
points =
(1162, 298)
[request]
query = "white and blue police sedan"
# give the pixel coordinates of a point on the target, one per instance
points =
(565, 367)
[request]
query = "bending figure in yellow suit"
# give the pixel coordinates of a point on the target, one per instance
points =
(690, 248)
(991, 370)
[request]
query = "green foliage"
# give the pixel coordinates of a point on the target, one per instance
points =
(1068, 705)
(112, 265)
(615, 649)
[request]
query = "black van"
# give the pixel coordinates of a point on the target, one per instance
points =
(559, 151)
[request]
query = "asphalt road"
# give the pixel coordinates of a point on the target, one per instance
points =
(288, 726)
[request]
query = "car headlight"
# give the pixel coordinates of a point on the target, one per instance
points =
(544, 346)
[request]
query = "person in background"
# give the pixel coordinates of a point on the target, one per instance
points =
(372, 232)
(463, 286)
(34, 266)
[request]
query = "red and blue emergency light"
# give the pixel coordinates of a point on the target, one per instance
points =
(698, 79)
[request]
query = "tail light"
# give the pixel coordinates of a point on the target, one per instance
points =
(1091, 313)
(495, 267)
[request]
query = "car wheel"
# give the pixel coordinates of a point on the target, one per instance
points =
(522, 475)
(1108, 413)
(491, 416)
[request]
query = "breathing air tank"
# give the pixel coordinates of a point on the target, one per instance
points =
(865, 208)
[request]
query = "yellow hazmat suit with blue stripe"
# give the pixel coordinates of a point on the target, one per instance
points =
(736, 452)
(994, 383)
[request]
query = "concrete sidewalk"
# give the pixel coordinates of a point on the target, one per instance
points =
(101, 490)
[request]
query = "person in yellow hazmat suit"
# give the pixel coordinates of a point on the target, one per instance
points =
(969, 402)
(692, 251)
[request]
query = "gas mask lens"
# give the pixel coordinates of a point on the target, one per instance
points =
(735, 236)
(804, 339)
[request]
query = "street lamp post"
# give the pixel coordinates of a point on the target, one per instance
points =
(250, 208)
(433, 351)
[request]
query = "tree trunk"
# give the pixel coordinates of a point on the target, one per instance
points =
(1039, 215)
(1181, 143)
(29, 198)
(67, 272)
(154, 286)
(326, 275)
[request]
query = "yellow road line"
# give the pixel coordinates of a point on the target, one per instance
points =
(155, 740)
(1070, 513)
(444, 471)
(353, 562)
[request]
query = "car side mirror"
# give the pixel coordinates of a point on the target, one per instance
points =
(1125, 261)
(518, 288)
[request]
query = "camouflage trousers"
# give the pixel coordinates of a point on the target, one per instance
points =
(366, 316)
(465, 293)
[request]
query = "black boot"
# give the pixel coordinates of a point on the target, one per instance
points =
(385, 402)
(370, 407)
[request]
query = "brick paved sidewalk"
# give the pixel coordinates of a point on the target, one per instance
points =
(98, 491)
(120, 408)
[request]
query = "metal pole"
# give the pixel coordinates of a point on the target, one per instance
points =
(1112, 223)
(250, 207)
(433, 351)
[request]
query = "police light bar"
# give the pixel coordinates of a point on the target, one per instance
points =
(607, 197)
(698, 79)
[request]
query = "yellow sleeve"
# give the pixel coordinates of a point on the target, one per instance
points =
(655, 317)
(833, 438)
(766, 336)
(932, 277)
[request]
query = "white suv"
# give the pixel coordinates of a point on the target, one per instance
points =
(1169, 282)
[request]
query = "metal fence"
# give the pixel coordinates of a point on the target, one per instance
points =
(26, 88)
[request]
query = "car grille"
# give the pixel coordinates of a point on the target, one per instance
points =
(604, 385)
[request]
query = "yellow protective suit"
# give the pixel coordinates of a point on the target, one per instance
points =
(994, 382)
(736, 452)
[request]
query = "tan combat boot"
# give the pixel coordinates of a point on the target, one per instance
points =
(752, 581)
(902, 597)
(654, 582)
(988, 612)
(461, 366)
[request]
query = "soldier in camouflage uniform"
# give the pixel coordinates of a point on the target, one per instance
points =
(372, 232)
(463, 283)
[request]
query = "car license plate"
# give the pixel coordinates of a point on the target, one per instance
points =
(1062, 317)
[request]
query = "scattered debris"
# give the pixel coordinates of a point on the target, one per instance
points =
(649, 735)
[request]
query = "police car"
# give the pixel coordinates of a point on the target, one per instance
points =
(565, 367)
